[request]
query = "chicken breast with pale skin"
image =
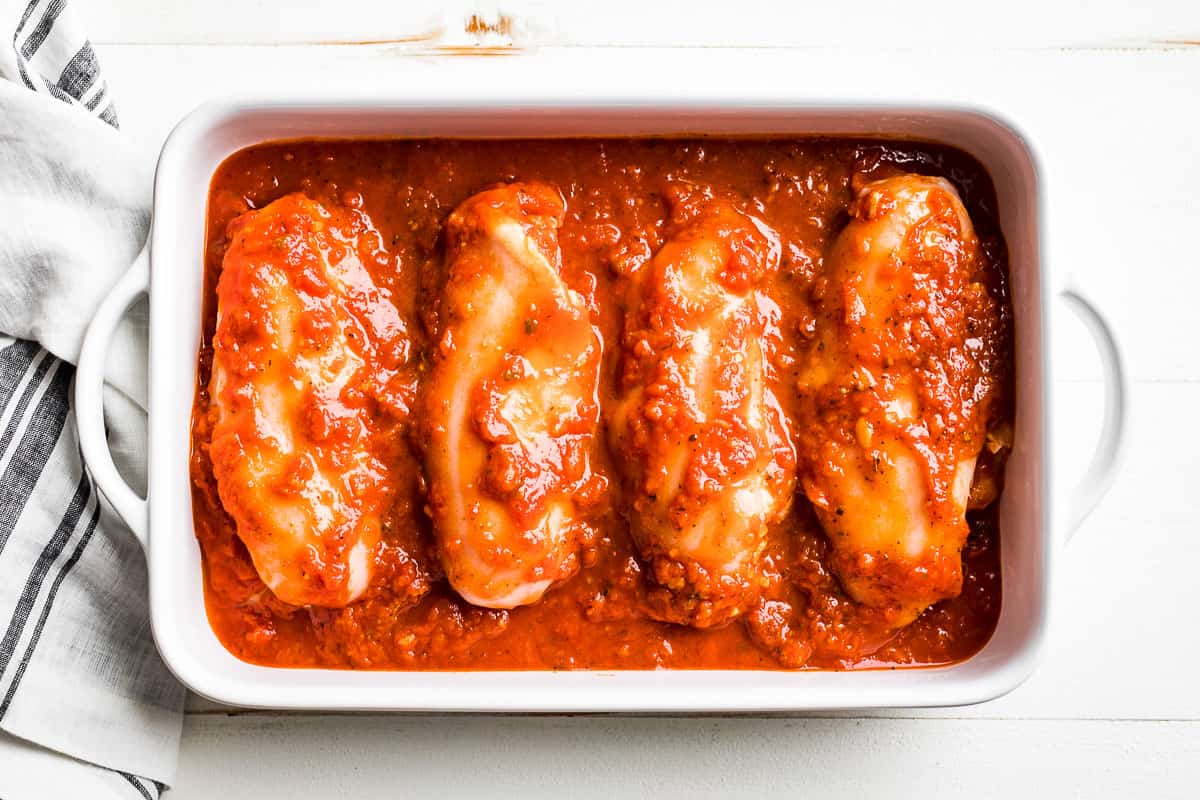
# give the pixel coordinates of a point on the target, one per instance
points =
(510, 404)
(309, 381)
(696, 429)
(897, 393)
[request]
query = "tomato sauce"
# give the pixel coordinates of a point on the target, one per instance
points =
(409, 619)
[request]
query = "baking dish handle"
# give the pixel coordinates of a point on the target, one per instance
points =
(89, 397)
(1106, 460)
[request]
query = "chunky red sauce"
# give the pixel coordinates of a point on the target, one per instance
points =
(616, 216)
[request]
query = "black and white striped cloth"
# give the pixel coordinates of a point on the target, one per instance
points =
(87, 709)
(51, 55)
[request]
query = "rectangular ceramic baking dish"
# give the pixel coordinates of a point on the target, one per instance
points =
(1035, 517)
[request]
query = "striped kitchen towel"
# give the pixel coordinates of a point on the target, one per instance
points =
(87, 709)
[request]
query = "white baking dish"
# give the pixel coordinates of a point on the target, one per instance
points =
(1035, 517)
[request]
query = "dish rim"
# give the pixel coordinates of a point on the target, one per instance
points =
(983, 676)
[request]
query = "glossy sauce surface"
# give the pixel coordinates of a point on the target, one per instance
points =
(617, 217)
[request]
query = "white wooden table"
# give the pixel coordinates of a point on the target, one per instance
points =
(1109, 91)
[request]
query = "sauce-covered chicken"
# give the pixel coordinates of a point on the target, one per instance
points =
(309, 381)
(696, 429)
(898, 393)
(709, 311)
(510, 408)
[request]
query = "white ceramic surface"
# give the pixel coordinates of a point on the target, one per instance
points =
(1035, 519)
